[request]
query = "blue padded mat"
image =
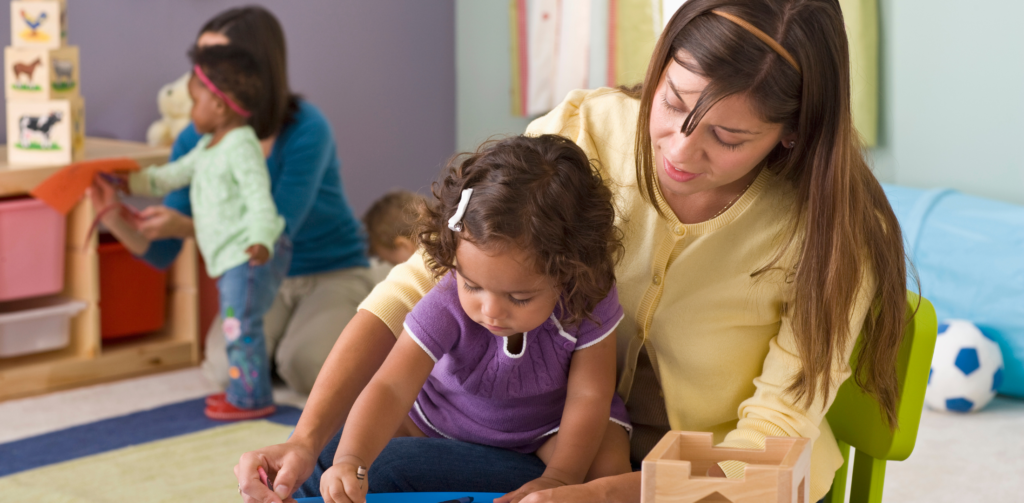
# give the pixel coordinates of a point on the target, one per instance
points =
(417, 497)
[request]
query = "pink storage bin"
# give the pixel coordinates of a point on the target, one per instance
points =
(31, 249)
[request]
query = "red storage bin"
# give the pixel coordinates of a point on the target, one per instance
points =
(133, 295)
(31, 249)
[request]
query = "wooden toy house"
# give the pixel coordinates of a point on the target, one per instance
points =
(675, 471)
(39, 24)
(40, 74)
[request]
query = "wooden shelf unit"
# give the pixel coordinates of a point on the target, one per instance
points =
(86, 360)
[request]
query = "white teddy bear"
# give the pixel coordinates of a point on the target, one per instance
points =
(175, 106)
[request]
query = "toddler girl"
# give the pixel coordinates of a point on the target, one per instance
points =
(514, 346)
(237, 227)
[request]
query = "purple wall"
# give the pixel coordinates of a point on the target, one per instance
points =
(382, 71)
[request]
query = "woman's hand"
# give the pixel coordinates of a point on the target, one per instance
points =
(579, 493)
(623, 488)
(341, 484)
(538, 484)
(287, 465)
(161, 222)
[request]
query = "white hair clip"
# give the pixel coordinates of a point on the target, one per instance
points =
(455, 222)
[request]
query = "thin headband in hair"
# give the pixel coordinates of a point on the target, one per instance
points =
(209, 85)
(761, 35)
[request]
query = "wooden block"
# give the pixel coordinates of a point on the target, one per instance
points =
(183, 295)
(45, 133)
(32, 74)
(40, 24)
(674, 471)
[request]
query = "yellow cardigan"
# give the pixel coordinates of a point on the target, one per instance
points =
(719, 340)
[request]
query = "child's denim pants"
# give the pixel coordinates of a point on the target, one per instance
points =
(246, 293)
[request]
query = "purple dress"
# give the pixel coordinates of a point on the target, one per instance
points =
(479, 392)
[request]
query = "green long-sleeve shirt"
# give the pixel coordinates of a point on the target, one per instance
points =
(232, 207)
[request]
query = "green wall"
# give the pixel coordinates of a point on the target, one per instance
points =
(953, 96)
(483, 81)
(952, 91)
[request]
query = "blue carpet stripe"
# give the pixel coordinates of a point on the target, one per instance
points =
(115, 433)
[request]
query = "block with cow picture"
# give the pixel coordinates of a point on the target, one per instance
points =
(45, 133)
(39, 23)
(41, 74)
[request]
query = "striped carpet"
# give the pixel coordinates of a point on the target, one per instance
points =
(171, 453)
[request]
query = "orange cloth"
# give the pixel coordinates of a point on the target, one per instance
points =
(63, 189)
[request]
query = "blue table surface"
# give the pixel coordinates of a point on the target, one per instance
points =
(417, 497)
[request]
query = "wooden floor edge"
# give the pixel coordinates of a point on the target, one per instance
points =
(68, 374)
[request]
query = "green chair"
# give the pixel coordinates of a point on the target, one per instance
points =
(857, 420)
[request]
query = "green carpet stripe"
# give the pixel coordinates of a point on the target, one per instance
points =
(194, 468)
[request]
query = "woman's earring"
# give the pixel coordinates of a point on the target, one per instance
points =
(791, 144)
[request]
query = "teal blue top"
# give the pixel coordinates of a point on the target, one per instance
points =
(305, 177)
(230, 191)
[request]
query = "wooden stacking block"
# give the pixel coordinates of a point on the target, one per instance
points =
(675, 471)
(39, 24)
(45, 133)
(40, 74)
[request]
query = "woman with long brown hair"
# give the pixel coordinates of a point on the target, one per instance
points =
(758, 248)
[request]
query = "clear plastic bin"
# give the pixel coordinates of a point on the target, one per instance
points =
(36, 325)
(31, 249)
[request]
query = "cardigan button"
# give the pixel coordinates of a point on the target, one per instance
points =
(679, 230)
(568, 345)
(657, 279)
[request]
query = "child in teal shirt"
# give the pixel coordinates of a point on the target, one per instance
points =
(238, 229)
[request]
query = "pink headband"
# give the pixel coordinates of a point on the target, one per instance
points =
(209, 85)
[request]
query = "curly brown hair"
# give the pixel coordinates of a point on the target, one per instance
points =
(539, 194)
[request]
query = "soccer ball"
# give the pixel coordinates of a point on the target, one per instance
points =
(967, 369)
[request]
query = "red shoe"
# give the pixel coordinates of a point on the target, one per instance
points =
(216, 399)
(226, 412)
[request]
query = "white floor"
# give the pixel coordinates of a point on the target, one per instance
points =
(979, 457)
(32, 416)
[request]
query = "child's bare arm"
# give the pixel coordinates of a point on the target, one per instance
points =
(586, 413)
(584, 421)
(375, 417)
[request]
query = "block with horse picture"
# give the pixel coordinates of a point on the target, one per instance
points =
(45, 133)
(41, 74)
(40, 24)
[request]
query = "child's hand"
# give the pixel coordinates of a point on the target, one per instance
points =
(339, 484)
(258, 255)
(538, 484)
(117, 180)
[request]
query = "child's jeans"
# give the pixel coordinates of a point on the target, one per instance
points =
(246, 293)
